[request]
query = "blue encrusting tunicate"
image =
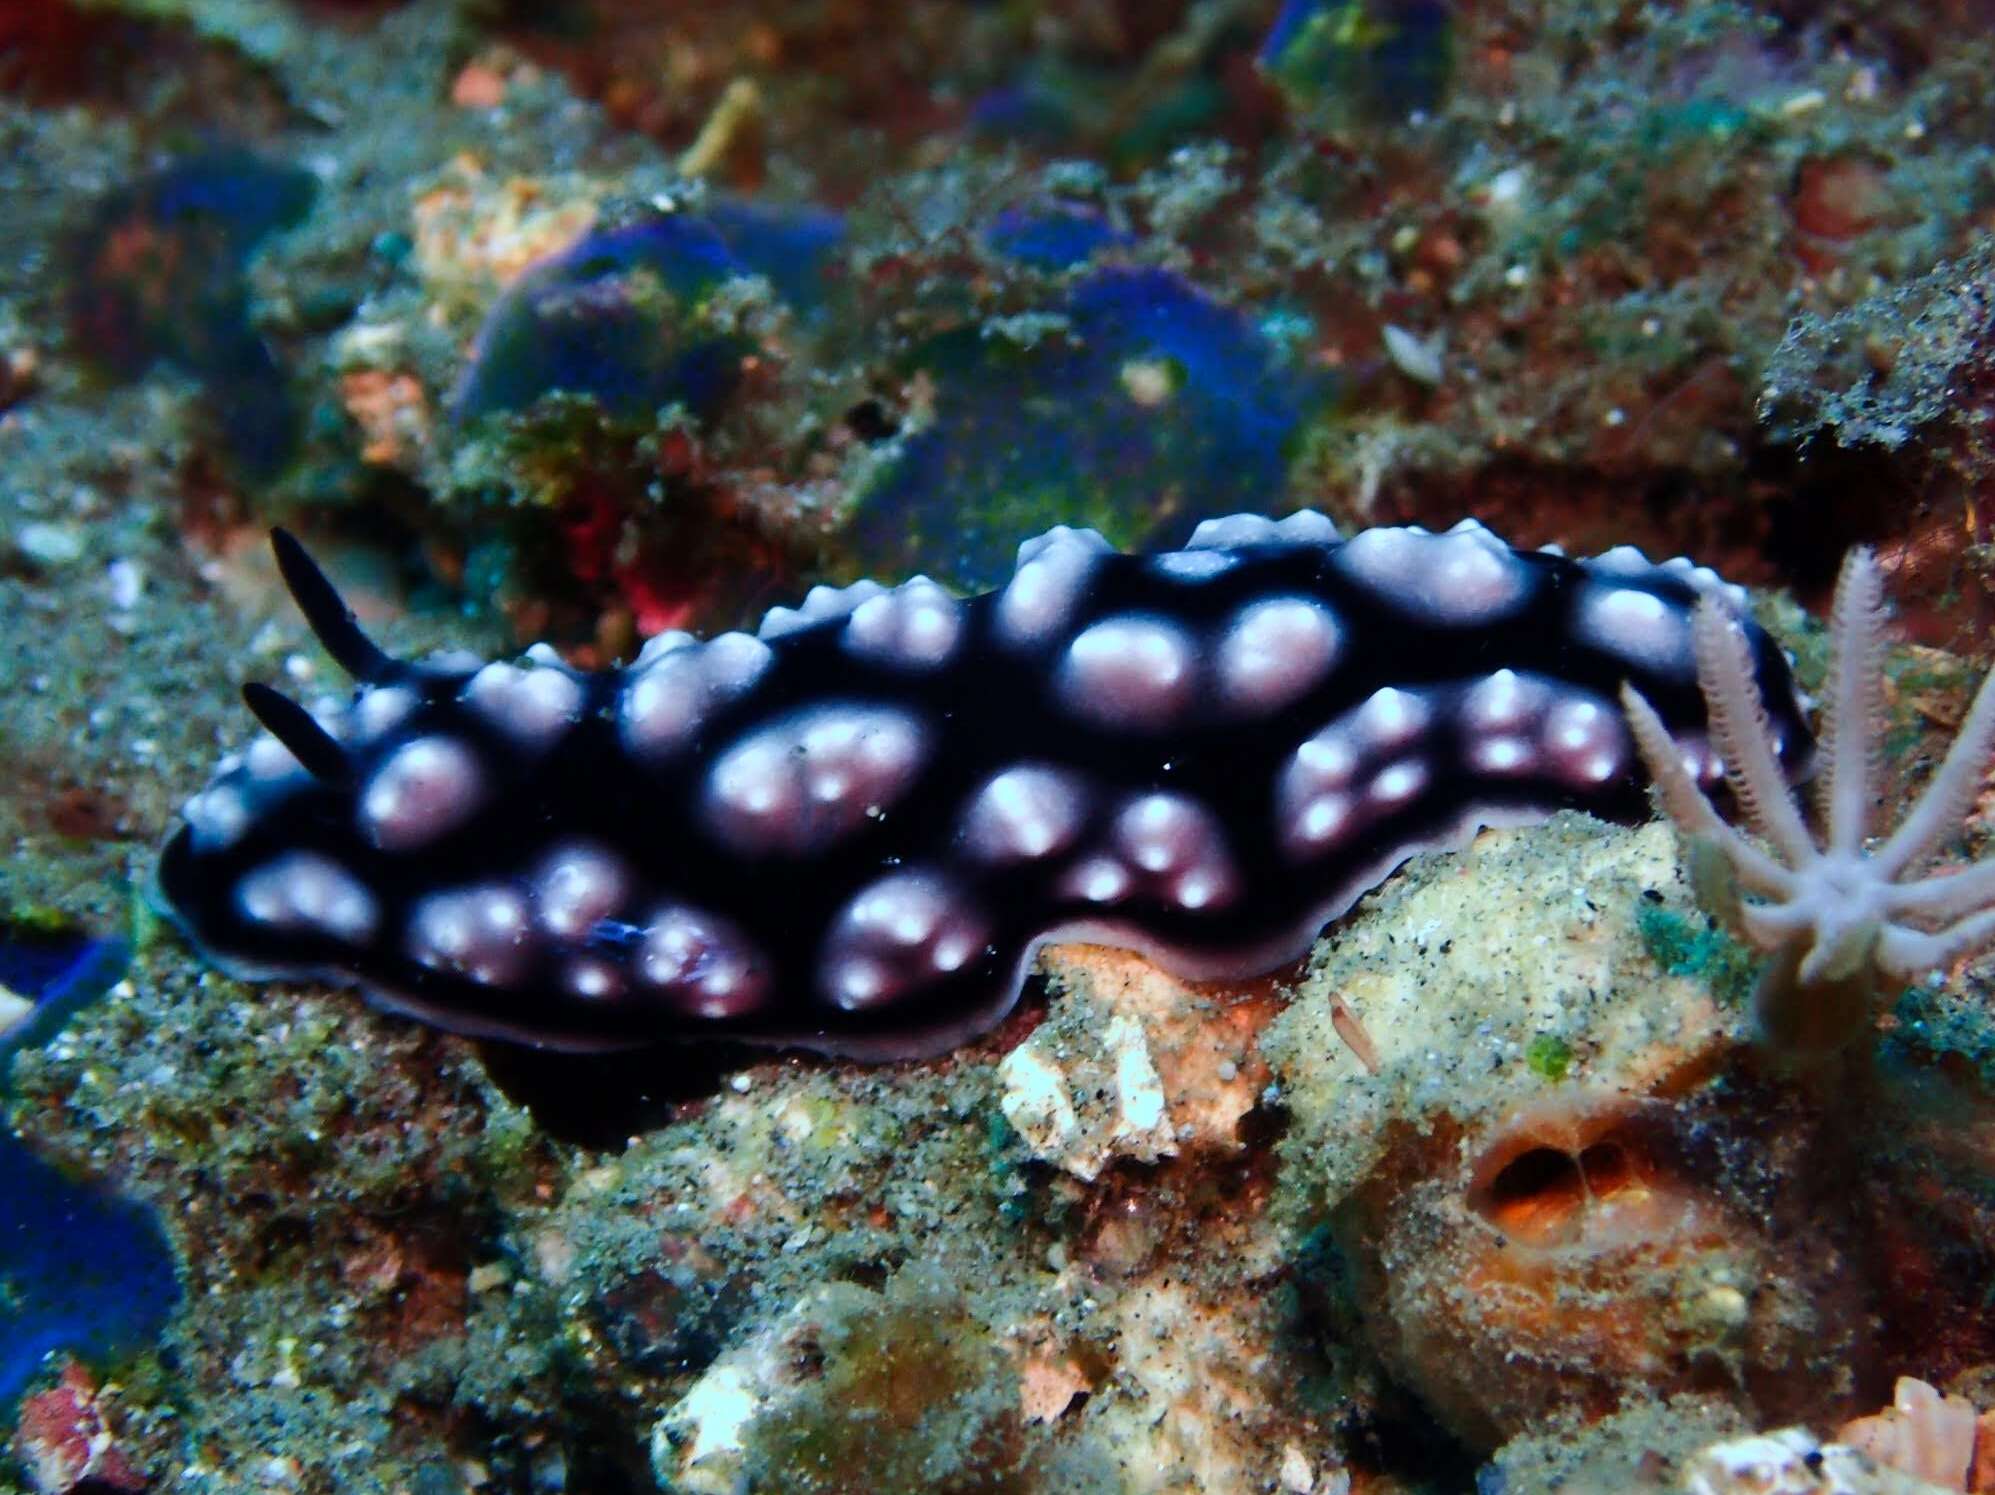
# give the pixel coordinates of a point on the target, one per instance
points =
(81, 1269)
(793, 247)
(1053, 236)
(1362, 59)
(1033, 110)
(55, 974)
(1150, 403)
(85, 1271)
(620, 315)
(160, 279)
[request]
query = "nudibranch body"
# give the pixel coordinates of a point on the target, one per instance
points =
(850, 831)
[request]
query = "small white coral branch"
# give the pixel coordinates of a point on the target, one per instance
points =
(1834, 915)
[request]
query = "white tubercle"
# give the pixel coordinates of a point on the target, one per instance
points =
(917, 625)
(532, 706)
(1024, 813)
(701, 963)
(904, 930)
(304, 890)
(1637, 626)
(670, 695)
(1136, 671)
(819, 605)
(1275, 651)
(1466, 576)
(808, 779)
(1053, 570)
(576, 887)
(422, 790)
(481, 933)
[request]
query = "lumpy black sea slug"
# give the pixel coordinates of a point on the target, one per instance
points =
(850, 831)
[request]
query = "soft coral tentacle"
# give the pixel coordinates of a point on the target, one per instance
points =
(1854, 701)
(1834, 917)
(1940, 809)
(1947, 895)
(1738, 722)
(1687, 804)
(1769, 924)
(1909, 953)
(1841, 944)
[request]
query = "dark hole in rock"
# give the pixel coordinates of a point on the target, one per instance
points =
(1544, 1175)
(1607, 1168)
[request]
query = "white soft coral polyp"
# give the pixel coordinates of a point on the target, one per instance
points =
(1838, 913)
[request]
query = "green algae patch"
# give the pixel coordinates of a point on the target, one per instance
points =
(538, 456)
(1684, 945)
(1958, 1027)
(1549, 1056)
(36, 919)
